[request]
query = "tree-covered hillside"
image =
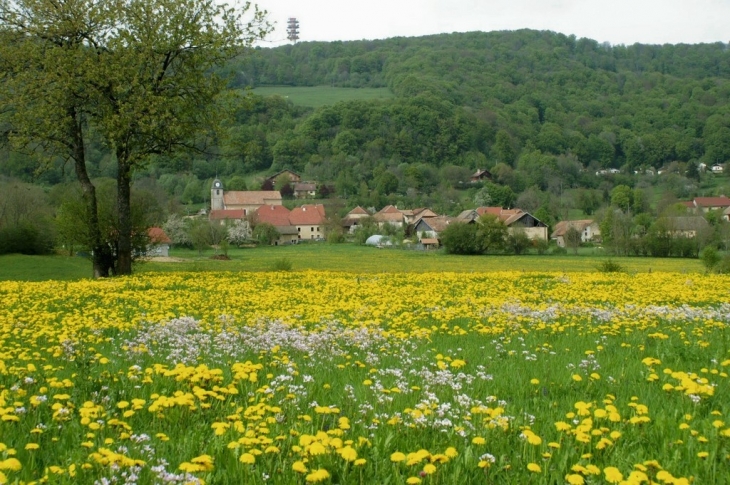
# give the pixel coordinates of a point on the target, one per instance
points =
(543, 111)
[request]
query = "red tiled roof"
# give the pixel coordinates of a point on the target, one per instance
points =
(388, 217)
(250, 197)
(307, 215)
(502, 214)
(158, 236)
(389, 209)
(438, 223)
(358, 210)
(721, 201)
(276, 215)
(217, 215)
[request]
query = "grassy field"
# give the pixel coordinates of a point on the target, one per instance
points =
(343, 257)
(317, 96)
(338, 378)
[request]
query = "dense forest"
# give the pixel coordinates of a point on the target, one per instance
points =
(542, 111)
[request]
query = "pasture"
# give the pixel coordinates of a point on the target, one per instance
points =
(343, 377)
(341, 257)
(318, 96)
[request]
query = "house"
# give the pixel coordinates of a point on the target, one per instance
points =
(685, 226)
(277, 216)
(480, 175)
(726, 214)
(717, 169)
(246, 200)
(412, 216)
(588, 228)
(301, 223)
(305, 190)
(514, 219)
(309, 220)
(389, 215)
(224, 215)
(159, 242)
(706, 204)
(430, 243)
(289, 174)
(354, 218)
(431, 227)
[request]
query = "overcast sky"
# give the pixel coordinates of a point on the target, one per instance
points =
(614, 21)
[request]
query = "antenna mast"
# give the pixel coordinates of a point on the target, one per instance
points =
(292, 29)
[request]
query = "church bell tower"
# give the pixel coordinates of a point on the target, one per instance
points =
(216, 195)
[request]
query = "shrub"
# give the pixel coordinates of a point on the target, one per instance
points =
(26, 238)
(723, 266)
(610, 266)
(460, 238)
(559, 251)
(709, 258)
(282, 264)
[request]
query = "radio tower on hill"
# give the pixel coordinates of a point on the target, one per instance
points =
(292, 29)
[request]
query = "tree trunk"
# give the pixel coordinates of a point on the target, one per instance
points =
(100, 259)
(124, 213)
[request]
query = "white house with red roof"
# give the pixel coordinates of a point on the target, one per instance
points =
(159, 242)
(305, 223)
(514, 219)
(706, 204)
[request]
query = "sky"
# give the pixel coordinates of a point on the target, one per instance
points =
(613, 21)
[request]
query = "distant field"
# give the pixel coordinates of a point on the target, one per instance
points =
(317, 96)
(344, 257)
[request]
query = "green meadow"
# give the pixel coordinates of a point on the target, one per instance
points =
(342, 257)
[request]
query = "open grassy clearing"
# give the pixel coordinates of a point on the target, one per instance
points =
(343, 257)
(317, 96)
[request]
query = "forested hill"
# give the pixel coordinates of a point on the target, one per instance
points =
(475, 60)
(543, 111)
(480, 98)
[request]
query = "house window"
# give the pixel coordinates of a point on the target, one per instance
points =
(312, 229)
(317, 228)
(299, 229)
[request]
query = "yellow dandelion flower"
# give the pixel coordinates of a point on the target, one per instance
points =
(534, 467)
(318, 475)
(612, 474)
(397, 456)
(247, 459)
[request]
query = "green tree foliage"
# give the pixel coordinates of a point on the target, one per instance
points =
(72, 215)
(461, 238)
(491, 233)
(25, 219)
(622, 197)
(572, 239)
(136, 72)
(265, 234)
(517, 242)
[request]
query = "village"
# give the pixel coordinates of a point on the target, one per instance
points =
(420, 228)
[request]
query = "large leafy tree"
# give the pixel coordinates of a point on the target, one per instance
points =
(136, 73)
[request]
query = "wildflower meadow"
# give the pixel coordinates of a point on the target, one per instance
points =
(326, 377)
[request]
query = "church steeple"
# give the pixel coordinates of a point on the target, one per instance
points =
(216, 195)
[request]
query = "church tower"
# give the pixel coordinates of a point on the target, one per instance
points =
(216, 195)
